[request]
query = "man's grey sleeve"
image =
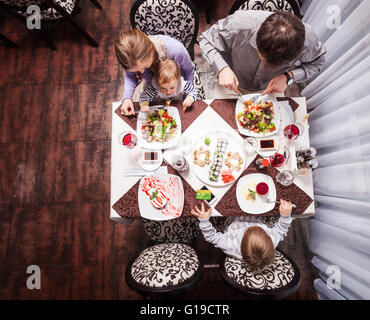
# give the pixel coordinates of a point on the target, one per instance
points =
(313, 58)
(218, 38)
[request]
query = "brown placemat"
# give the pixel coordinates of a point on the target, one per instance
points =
(128, 207)
(226, 109)
(294, 105)
(187, 117)
(228, 205)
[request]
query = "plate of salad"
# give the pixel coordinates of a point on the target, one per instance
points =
(160, 128)
(259, 118)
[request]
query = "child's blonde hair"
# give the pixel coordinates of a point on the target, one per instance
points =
(166, 71)
(257, 248)
(134, 46)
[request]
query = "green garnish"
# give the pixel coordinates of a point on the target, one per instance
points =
(207, 141)
(252, 194)
(154, 195)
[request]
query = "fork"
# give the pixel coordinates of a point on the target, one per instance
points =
(272, 201)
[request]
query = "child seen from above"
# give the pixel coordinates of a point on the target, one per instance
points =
(168, 83)
(247, 238)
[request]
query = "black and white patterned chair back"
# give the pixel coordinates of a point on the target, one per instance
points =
(22, 4)
(175, 18)
(164, 268)
(198, 83)
(71, 6)
(267, 5)
(278, 280)
(182, 230)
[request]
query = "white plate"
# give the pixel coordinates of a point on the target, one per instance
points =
(259, 205)
(173, 112)
(240, 107)
(270, 152)
(233, 145)
(173, 188)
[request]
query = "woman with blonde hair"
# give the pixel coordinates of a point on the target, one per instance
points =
(139, 54)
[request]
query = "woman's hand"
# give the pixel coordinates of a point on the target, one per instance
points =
(228, 79)
(127, 108)
(201, 214)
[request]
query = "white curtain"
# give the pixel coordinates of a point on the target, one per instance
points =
(339, 105)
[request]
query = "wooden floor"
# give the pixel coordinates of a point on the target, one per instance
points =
(55, 132)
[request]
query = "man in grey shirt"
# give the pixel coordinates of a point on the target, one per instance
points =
(260, 50)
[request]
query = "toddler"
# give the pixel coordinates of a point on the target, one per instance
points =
(168, 83)
(247, 238)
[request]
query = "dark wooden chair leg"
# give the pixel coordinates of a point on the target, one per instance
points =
(97, 4)
(8, 42)
(68, 17)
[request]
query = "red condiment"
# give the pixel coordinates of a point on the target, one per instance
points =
(262, 188)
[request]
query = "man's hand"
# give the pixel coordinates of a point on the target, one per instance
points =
(187, 102)
(277, 85)
(285, 208)
(228, 79)
(127, 108)
(201, 214)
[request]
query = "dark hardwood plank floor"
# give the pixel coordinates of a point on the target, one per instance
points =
(55, 130)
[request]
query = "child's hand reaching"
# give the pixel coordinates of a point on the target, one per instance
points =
(201, 214)
(144, 108)
(285, 208)
(187, 102)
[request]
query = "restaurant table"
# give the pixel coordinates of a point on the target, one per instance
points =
(202, 117)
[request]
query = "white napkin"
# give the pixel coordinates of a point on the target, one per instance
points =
(130, 172)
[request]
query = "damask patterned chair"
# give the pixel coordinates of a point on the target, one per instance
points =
(184, 230)
(278, 280)
(50, 11)
(291, 6)
(176, 18)
(169, 265)
(164, 270)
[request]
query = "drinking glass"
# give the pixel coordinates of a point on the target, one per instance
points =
(127, 139)
(294, 130)
(250, 145)
(184, 145)
(277, 160)
(285, 178)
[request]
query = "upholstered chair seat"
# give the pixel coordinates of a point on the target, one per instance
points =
(164, 269)
(277, 280)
